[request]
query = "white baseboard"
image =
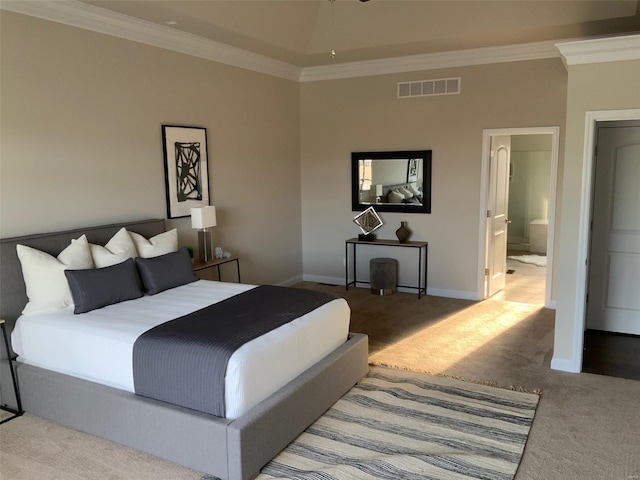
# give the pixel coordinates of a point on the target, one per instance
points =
(322, 279)
(551, 305)
(460, 294)
(290, 281)
(436, 292)
(565, 365)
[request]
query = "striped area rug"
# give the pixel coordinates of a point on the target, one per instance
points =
(405, 425)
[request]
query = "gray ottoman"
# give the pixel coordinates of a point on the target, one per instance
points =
(383, 275)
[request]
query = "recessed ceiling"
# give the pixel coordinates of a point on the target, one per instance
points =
(303, 32)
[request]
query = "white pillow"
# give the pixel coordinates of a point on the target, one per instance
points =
(47, 287)
(117, 250)
(414, 190)
(395, 197)
(407, 193)
(161, 244)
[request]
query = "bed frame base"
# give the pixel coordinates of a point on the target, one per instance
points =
(229, 449)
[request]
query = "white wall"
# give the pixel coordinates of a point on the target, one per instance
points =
(81, 141)
(363, 114)
(529, 183)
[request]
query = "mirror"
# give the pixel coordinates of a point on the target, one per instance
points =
(391, 181)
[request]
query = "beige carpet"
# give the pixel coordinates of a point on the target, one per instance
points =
(395, 422)
(443, 346)
(587, 427)
(34, 449)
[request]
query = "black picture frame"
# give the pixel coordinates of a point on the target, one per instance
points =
(421, 162)
(412, 170)
(186, 169)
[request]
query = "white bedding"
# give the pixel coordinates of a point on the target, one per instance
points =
(98, 345)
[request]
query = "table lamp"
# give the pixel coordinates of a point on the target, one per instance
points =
(202, 218)
(378, 193)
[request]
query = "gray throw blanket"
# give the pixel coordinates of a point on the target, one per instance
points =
(184, 361)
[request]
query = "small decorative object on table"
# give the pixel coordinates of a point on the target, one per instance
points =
(403, 233)
(369, 222)
(222, 253)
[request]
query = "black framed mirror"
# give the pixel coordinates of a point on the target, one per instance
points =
(397, 181)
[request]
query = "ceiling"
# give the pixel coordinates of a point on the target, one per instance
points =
(303, 32)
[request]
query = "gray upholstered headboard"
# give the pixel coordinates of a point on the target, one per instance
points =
(13, 297)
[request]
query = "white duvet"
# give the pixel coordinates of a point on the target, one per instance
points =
(98, 345)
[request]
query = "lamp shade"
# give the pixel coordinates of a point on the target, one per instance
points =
(378, 190)
(203, 217)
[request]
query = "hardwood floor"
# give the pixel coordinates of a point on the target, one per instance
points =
(612, 354)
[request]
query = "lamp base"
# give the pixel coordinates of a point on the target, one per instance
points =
(205, 251)
(366, 237)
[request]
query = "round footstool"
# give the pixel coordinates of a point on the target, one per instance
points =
(383, 275)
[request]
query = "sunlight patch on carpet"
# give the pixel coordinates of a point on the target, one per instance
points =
(458, 335)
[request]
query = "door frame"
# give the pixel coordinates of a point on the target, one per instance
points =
(484, 187)
(584, 233)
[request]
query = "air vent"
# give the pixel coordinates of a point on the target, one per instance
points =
(427, 88)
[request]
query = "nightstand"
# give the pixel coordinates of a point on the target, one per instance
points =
(19, 411)
(216, 263)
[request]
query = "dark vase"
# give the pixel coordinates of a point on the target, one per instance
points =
(403, 233)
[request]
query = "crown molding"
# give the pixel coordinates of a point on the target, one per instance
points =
(89, 17)
(614, 49)
(100, 20)
(432, 61)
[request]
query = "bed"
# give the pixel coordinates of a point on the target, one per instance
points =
(409, 194)
(229, 448)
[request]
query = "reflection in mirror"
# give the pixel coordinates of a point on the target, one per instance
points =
(392, 181)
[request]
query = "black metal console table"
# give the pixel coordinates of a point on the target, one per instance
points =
(16, 390)
(422, 266)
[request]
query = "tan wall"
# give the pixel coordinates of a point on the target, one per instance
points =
(363, 114)
(595, 87)
(81, 141)
(531, 143)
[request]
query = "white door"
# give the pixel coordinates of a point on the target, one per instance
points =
(613, 301)
(498, 207)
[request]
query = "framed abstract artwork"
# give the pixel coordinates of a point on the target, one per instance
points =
(412, 170)
(186, 170)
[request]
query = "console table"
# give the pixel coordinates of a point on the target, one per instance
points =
(16, 390)
(422, 266)
(216, 262)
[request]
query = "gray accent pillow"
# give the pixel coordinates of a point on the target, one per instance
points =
(99, 287)
(166, 271)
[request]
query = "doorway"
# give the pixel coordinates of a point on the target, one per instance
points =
(612, 336)
(530, 189)
(613, 304)
(582, 247)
